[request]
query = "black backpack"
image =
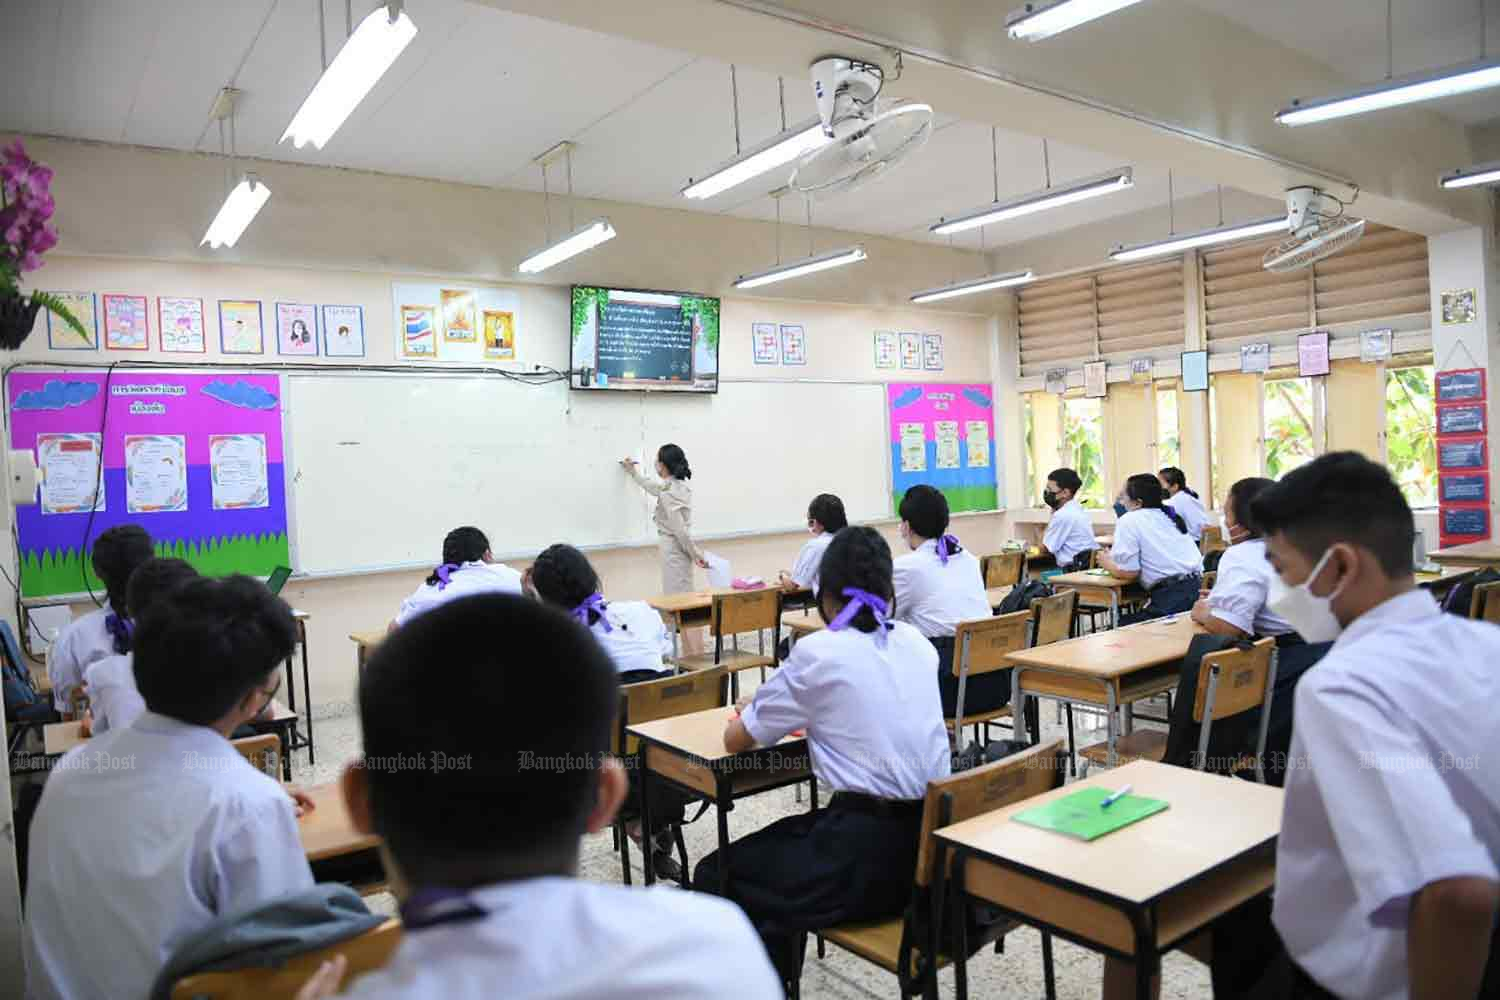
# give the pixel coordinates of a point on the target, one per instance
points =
(1462, 595)
(23, 702)
(1020, 598)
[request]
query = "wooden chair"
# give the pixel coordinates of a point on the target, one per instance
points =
(1230, 682)
(365, 953)
(1209, 578)
(981, 647)
(1004, 569)
(746, 611)
(263, 752)
(1212, 540)
(908, 946)
(1481, 608)
(647, 702)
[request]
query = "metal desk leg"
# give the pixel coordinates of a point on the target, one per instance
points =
(1112, 727)
(1128, 711)
(648, 866)
(676, 634)
(1146, 958)
(1114, 607)
(960, 929)
(307, 692)
(721, 806)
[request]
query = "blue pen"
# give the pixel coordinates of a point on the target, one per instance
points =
(1113, 798)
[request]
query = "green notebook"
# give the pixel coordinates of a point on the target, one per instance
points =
(1081, 814)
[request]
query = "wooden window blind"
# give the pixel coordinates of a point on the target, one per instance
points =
(1114, 314)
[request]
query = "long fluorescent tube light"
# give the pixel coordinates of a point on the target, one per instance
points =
(360, 64)
(797, 268)
(972, 287)
(591, 235)
(776, 151)
(1480, 173)
(1426, 86)
(1039, 201)
(1037, 21)
(235, 214)
(1205, 238)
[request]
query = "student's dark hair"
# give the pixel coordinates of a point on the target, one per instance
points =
(1067, 479)
(1146, 489)
(857, 557)
(675, 460)
(117, 553)
(204, 645)
(563, 576)
(521, 761)
(154, 579)
(828, 510)
(462, 545)
(1242, 497)
(1176, 477)
(926, 510)
(1340, 497)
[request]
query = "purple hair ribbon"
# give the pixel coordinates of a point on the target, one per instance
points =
(946, 546)
(858, 599)
(123, 630)
(593, 603)
(443, 572)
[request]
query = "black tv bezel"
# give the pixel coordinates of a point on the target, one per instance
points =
(718, 351)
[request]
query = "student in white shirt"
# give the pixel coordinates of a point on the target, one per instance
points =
(1184, 500)
(938, 585)
(145, 834)
(631, 632)
(468, 567)
(104, 631)
(481, 843)
(825, 518)
(1070, 533)
(863, 691)
(1152, 546)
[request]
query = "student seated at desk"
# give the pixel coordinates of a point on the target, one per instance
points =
(468, 567)
(863, 691)
(114, 699)
(1070, 533)
(825, 518)
(483, 854)
(146, 833)
(104, 631)
(1152, 546)
(938, 585)
(1184, 500)
(631, 632)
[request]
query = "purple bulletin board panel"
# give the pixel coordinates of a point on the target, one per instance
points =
(216, 531)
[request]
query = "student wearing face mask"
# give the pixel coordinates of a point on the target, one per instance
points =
(1152, 546)
(1070, 533)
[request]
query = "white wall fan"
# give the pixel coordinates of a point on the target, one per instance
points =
(1319, 229)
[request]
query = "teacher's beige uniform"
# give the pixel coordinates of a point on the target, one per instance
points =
(674, 520)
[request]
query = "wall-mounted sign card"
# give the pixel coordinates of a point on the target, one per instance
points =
(932, 352)
(887, 349)
(1458, 306)
(1194, 371)
(1466, 522)
(499, 329)
(1312, 353)
(1461, 418)
(911, 351)
(460, 325)
(1375, 345)
(179, 323)
(1140, 371)
(1466, 488)
(419, 331)
(1057, 381)
(296, 329)
(344, 331)
(766, 342)
(1460, 384)
(241, 330)
(1255, 358)
(61, 336)
(793, 345)
(1096, 379)
(1463, 453)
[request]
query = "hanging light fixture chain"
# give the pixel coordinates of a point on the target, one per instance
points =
(1046, 164)
(1221, 205)
(568, 159)
(222, 158)
(547, 202)
(348, 18)
(995, 159)
(781, 94)
(1171, 207)
(809, 228)
(1390, 44)
(734, 91)
(1483, 41)
(777, 197)
(322, 37)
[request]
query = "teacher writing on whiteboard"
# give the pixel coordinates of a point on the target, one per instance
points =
(673, 517)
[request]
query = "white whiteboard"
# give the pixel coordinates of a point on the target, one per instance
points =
(383, 465)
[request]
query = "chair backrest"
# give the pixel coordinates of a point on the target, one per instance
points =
(1212, 540)
(982, 645)
(1054, 617)
(1230, 682)
(668, 697)
(1209, 578)
(1481, 606)
(364, 953)
(746, 611)
(262, 752)
(1003, 569)
(985, 789)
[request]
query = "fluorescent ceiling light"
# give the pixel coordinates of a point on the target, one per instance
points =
(362, 61)
(1206, 238)
(1427, 86)
(1036, 21)
(1039, 201)
(797, 268)
(776, 151)
(235, 214)
(1481, 173)
(591, 235)
(972, 287)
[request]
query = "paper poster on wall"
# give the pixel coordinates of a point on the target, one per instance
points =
(237, 465)
(344, 331)
(1458, 306)
(155, 473)
(1465, 523)
(1194, 371)
(913, 448)
(1255, 357)
(887, 349)
(945, 436)
(499, 335)
(1465, 488)
(1375, 345)
(241, 328)
(455, 324)
(61, 336)
(1312, 353)
(1140, 370)
(1461, 418)
(765, 343)
(418, 337)
(1096, 379)
(942, 434)
(1462, 453)
(179, 323)
(458, 315)
(296, 329)
(911, 351)
(793, 345)
(1460, 384)
(68, 466)
(932, 352)
(977, 439)
(1056, 381)
(125, 325)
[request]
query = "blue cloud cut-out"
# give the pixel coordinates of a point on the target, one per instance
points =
(241, 393)
(978, 398)
(907, 398)
(57, 395)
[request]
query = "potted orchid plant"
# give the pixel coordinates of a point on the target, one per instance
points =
(25, 234)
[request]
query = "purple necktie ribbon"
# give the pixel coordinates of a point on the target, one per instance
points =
(593, 603)
(443, 572)
(123, 630)
(858, 599)
(946, 546)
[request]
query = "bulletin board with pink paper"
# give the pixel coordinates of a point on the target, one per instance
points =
(943, 434)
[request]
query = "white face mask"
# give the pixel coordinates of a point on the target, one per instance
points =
(1312, 616)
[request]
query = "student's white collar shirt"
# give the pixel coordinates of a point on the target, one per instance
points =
(114, 699)
(1193, 514)
(1147, 542)
(637, 639)
(144, 835)
(469, 579)
(1388, 789)
(873, 715)
(571, 939)
(85, 641)
(935, 597)
(810, 561)
(1070, 533)
(1241, 588)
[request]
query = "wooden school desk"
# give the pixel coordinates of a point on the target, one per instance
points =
(1105, 588)
(298, 741)
(1135, 893)
(336, 851)
(60, 737)
(687, 751)
(1107, 669)
(364, 645)
(695, 608)
(1476, 554)
(283, 722)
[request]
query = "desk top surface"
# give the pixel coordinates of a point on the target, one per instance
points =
(1473, 552)
(699, 734)
(60, 737)
(1089, 578)
(1116, 652)
(327, 831)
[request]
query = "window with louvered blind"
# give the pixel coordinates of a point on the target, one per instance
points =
(1113, 314)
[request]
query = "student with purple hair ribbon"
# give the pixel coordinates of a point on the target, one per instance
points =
(468, 567)
(105, 631)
